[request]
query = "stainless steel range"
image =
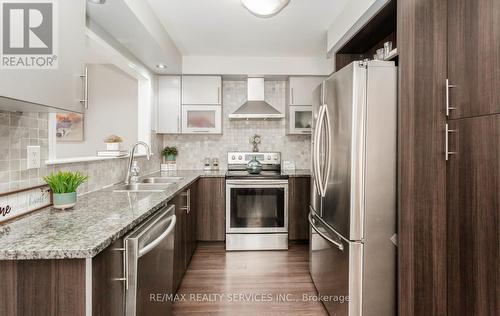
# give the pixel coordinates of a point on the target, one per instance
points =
(256, 204)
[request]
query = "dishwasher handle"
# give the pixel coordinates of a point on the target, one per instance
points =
(147, 248)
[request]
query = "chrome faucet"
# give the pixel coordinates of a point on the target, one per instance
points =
(131, 158)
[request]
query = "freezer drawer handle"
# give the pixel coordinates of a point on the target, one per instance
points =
(336, 243)
(158, 240)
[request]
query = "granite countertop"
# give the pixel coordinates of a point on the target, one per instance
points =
(98, 219)
(297, 173)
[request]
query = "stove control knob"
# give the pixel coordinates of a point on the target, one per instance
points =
(240, 157)
(268, 157)
(233, 157)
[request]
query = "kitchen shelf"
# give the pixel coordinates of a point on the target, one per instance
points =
(379, 28)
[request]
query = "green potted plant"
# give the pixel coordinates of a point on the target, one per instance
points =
(169, 153)
(63, 185)
(113, 142)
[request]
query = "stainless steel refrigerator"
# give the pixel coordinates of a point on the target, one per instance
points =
(353, 190)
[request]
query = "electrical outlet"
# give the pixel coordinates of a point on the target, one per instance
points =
(33, 157)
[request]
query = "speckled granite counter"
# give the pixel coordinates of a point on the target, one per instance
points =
(98, 219)
(297, 172)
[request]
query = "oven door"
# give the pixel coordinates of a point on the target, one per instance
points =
(256, 206)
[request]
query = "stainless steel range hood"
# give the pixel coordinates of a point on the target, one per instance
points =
(256, 108)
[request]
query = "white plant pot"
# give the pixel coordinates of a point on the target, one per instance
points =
(113, 146)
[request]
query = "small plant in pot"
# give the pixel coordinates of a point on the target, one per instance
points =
(113, 142)
(169, 153)
(63, 185)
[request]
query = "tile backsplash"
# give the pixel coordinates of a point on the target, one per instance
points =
(236, 134)
(18, 130)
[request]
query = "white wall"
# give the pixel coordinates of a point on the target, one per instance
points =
(230, 65)
(345, 20)
(113, 109)
(171, 54)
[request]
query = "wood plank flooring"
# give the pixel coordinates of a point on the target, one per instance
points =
(250, 282)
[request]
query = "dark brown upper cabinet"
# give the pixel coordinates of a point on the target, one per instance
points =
(474, 57)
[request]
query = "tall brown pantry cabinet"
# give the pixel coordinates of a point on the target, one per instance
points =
(449, 204)
(473, 168)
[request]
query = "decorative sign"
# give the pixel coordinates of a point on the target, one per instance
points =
(17, 203)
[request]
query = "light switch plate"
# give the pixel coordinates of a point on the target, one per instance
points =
(33, 157)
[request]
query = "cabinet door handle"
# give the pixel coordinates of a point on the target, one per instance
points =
(218, 95)
(124, 267)
(448, 153)
(85, 100)
(187, 194)
(178, 124)
(448, 106)
(291, 95)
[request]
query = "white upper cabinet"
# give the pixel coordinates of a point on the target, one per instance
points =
(62, 87)
(201, 119)
(301, 89)
(202, 90)
(169, 104)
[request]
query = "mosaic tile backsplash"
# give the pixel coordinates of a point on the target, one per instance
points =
(194, 148)
(20, 130)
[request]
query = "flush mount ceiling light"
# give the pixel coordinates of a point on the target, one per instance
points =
(264, 8)
(97, 1)
(161, 66)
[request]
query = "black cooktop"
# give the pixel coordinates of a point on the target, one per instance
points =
(265, 174)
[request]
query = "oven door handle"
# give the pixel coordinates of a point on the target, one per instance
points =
(256, 183)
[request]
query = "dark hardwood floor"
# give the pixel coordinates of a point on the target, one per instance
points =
(249, 281)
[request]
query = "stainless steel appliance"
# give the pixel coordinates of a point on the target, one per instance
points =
(256, 108)
(256, 204)
(149, 252)
(353, 190)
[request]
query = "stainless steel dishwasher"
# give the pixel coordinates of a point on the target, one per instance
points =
(149, 252)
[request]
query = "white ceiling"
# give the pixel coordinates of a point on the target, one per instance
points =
(225, 28)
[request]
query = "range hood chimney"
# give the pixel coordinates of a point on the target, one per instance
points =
(256, 108)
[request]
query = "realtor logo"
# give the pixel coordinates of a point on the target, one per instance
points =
(28, 34)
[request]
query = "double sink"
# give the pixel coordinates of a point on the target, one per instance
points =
(148, 184)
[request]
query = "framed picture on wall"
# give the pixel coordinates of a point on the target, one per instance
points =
(69, 127)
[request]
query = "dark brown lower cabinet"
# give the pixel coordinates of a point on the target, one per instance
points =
(211, 209)
(299, 189)
(185, 232)
(42, 287)
(473, 203)
(179, 242)
(108, 293)
(191, 220)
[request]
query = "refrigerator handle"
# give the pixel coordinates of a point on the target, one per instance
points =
(319, 126)
(336, 243)
(328, 150)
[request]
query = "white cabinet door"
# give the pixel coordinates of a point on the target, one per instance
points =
(300, 119)
(201, 119)
(301, 89)
(202, 90)
(61, 87)
(169, 104)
